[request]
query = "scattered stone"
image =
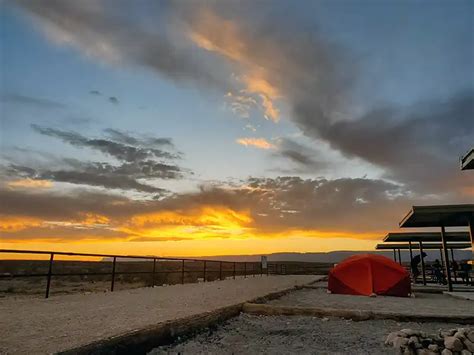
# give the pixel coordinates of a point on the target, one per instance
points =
(325, 319)
(446, 342)
(433, 347)
(453, 343)
(469, 345)
(400, 342)
(410, 332)
(391, 337)
(447, 333)
(425, 352)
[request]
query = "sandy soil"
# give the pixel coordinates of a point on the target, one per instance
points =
(423, 303)
(248, 334)
(64, 322)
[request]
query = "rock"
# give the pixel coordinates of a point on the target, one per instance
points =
(391, 337)
(453, 343)
(469, 345)
(447, 333)
(410, 332)
(409, 351)
(433, 347)
(426, 342)
(466, 352)
(325, 319)
(470, 335)
(459, 335)
(400, 342)
(413, 340)
(425, 352)
(446, 352)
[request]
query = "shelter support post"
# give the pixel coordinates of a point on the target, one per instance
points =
(411, 251)
(423, 273)
(442, 258)
(452, 261)
(471, 233)
(399, 257)
(394, 255)
(446, 259)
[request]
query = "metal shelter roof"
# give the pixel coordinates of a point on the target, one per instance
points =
(440, 215)
(426, 246)
(467, 161)
(426, 237)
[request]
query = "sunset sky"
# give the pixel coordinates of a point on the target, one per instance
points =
(229, 127)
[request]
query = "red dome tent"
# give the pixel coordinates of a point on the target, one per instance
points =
(368, 274)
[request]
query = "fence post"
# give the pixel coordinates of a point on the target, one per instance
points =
(50, 273)
(113, 275)
(182, 272)
(205, 264)
(268, 267)
(153, 275)
(245, 269)
(233, 272)
(220, 270)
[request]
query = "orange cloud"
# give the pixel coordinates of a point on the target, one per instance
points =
(223, 37)
(202, 223)
(18, 223)
(261, 143)
(31, 184)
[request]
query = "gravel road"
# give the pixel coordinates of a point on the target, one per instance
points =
(37, 326)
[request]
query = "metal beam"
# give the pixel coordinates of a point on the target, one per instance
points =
(446, 259)
(422, 263)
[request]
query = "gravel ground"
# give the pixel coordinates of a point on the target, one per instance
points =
(425, 303)
(36, 326)
(248, 334)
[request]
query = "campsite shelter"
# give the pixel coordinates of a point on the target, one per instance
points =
(442, 216)
(422, 246)
(368, 274)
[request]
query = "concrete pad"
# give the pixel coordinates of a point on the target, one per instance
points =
(461, 295)
(70, 321)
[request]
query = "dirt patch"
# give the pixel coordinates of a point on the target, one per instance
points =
(248, 334)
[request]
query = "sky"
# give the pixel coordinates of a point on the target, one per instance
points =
(239, 127)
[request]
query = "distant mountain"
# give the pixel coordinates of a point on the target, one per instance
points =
(329, 257)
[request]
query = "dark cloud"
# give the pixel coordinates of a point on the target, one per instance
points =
(141, 161)
(127, 138)
(113, 100)
(118, 150)
(107, 31)
(36, 102)
(304, 158)
(95, 92)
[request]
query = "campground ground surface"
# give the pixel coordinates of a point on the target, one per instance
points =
(36, 326)
(249, 334)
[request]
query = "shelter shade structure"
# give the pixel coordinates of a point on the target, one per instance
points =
(442, 216)
(467, 161)
(426, 246)
(421, 246)
(426, 237)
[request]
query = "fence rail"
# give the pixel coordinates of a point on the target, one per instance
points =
(225, 268)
